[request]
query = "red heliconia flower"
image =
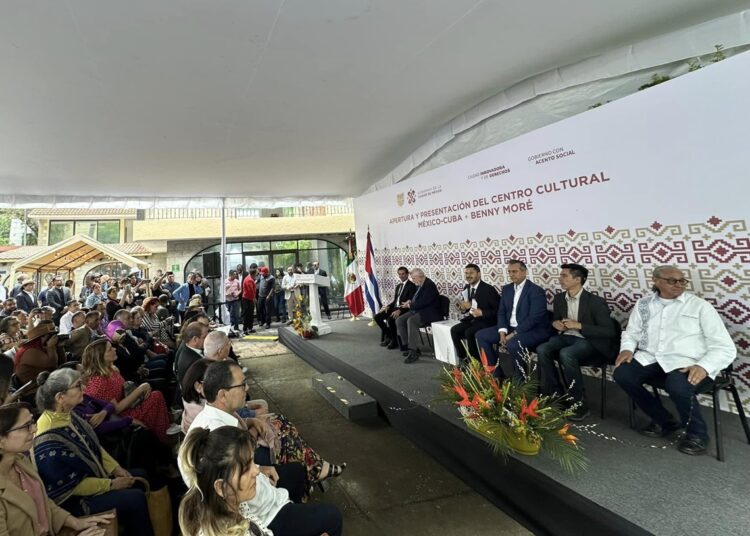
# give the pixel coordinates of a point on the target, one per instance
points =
(528, 411)
(479, 400)
(496, 388)
(460, 391)
(489, 369)
(457, 375)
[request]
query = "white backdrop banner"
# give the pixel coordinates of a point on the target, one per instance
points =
(660, 177)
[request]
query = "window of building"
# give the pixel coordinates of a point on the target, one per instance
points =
(106, 232)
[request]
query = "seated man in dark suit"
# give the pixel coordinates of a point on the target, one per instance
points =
(522, 321)
(585, 334)
(424, 309)
(479, 304)
(386, 317)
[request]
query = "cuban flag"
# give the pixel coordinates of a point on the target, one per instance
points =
(372, 291)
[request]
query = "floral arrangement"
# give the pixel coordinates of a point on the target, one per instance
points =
(512, 416)
(302, 320)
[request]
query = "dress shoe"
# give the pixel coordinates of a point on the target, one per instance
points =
(655, 430)
(392, 346)
(580, 413)
(412, 357)
(695, 446)
(385, 343)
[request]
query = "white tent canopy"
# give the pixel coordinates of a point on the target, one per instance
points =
(153, 101)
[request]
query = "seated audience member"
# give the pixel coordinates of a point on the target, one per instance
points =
(113, 304)
(678, 339)
(423, 310)
(48, 313)
(163, 310)
(66, 320)
(522, 321)
(194, 308)
(224, 387)
(9, 306)
(82, 336)
(219, 465)
(10, 333)
(192, 349)
(78, 474)
(161, 330)
(38, 354)
(23, 318)
(26, 299)
(25, 508)
(281, 443)
(35, 315)
(479, 305)
(6, 371)
(585, 336)
(386, 317)
(103, 381)
(95, 297)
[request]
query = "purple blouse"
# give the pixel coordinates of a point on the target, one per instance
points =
(112, 423)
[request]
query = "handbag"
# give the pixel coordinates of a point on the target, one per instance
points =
(159, 347)
(159, 508)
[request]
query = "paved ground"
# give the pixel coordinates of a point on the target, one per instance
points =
(390, 486)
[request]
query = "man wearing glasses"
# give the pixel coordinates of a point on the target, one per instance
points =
(678, 339)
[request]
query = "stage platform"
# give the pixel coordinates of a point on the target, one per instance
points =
(627, 490)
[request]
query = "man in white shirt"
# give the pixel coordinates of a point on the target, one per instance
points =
(66, 320)
(292, 291)
(677, 340)
(225, 388)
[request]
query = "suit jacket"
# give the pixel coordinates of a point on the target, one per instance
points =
(593, 314)
(18, 515)
(426, 302)
(56, 299)
(488, 300)
(78, 341)
(25, 303)
(323, 291)
(531, 313)
(409, 290)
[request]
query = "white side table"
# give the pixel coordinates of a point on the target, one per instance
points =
(441, 336)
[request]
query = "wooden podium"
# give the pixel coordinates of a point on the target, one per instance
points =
(313, 282)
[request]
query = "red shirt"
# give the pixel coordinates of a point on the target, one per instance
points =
(248, 288)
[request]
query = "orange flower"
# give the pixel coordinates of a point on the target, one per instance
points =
(496, 388)
(489, 369)
(479, 400)
(460, 391)
(528, 411)
(457, 375)
(564, 430)
(570, 439)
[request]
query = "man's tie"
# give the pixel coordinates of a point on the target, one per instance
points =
(471, 293)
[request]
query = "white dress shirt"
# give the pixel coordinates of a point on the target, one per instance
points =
(678, 333)
(268, 500)
(516, 296)
(573, 302)
(66, 323)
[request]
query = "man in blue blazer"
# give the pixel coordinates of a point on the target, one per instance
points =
(423, 310)
(26, 300)
(523, 321)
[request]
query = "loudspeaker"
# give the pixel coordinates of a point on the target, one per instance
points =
(212, 264)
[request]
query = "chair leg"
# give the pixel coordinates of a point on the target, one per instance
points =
(738, 402)
(603, 410)
(717, 427)
(421, 340)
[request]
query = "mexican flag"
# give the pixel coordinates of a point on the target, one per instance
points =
(353, 289)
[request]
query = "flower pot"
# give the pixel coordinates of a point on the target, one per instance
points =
(522, 445)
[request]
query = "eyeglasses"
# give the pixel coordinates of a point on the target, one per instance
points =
(27, 427)
(673, 281)
(244, 385)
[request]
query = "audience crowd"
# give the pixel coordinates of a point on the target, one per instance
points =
(130, 388)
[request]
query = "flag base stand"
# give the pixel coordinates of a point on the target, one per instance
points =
(371, 323)
(324, 329)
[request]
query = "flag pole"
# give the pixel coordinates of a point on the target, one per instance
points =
(372, 320)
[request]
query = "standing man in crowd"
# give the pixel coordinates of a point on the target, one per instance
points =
(266, 285)
(322, 291)
(26, 299)
(585, 333)
(56, 298)
(249, 293)
(291, 292)
(232, 292)
(389, 313)
(424, 309)
(522, 322)
(479, 305)
(678, 340)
